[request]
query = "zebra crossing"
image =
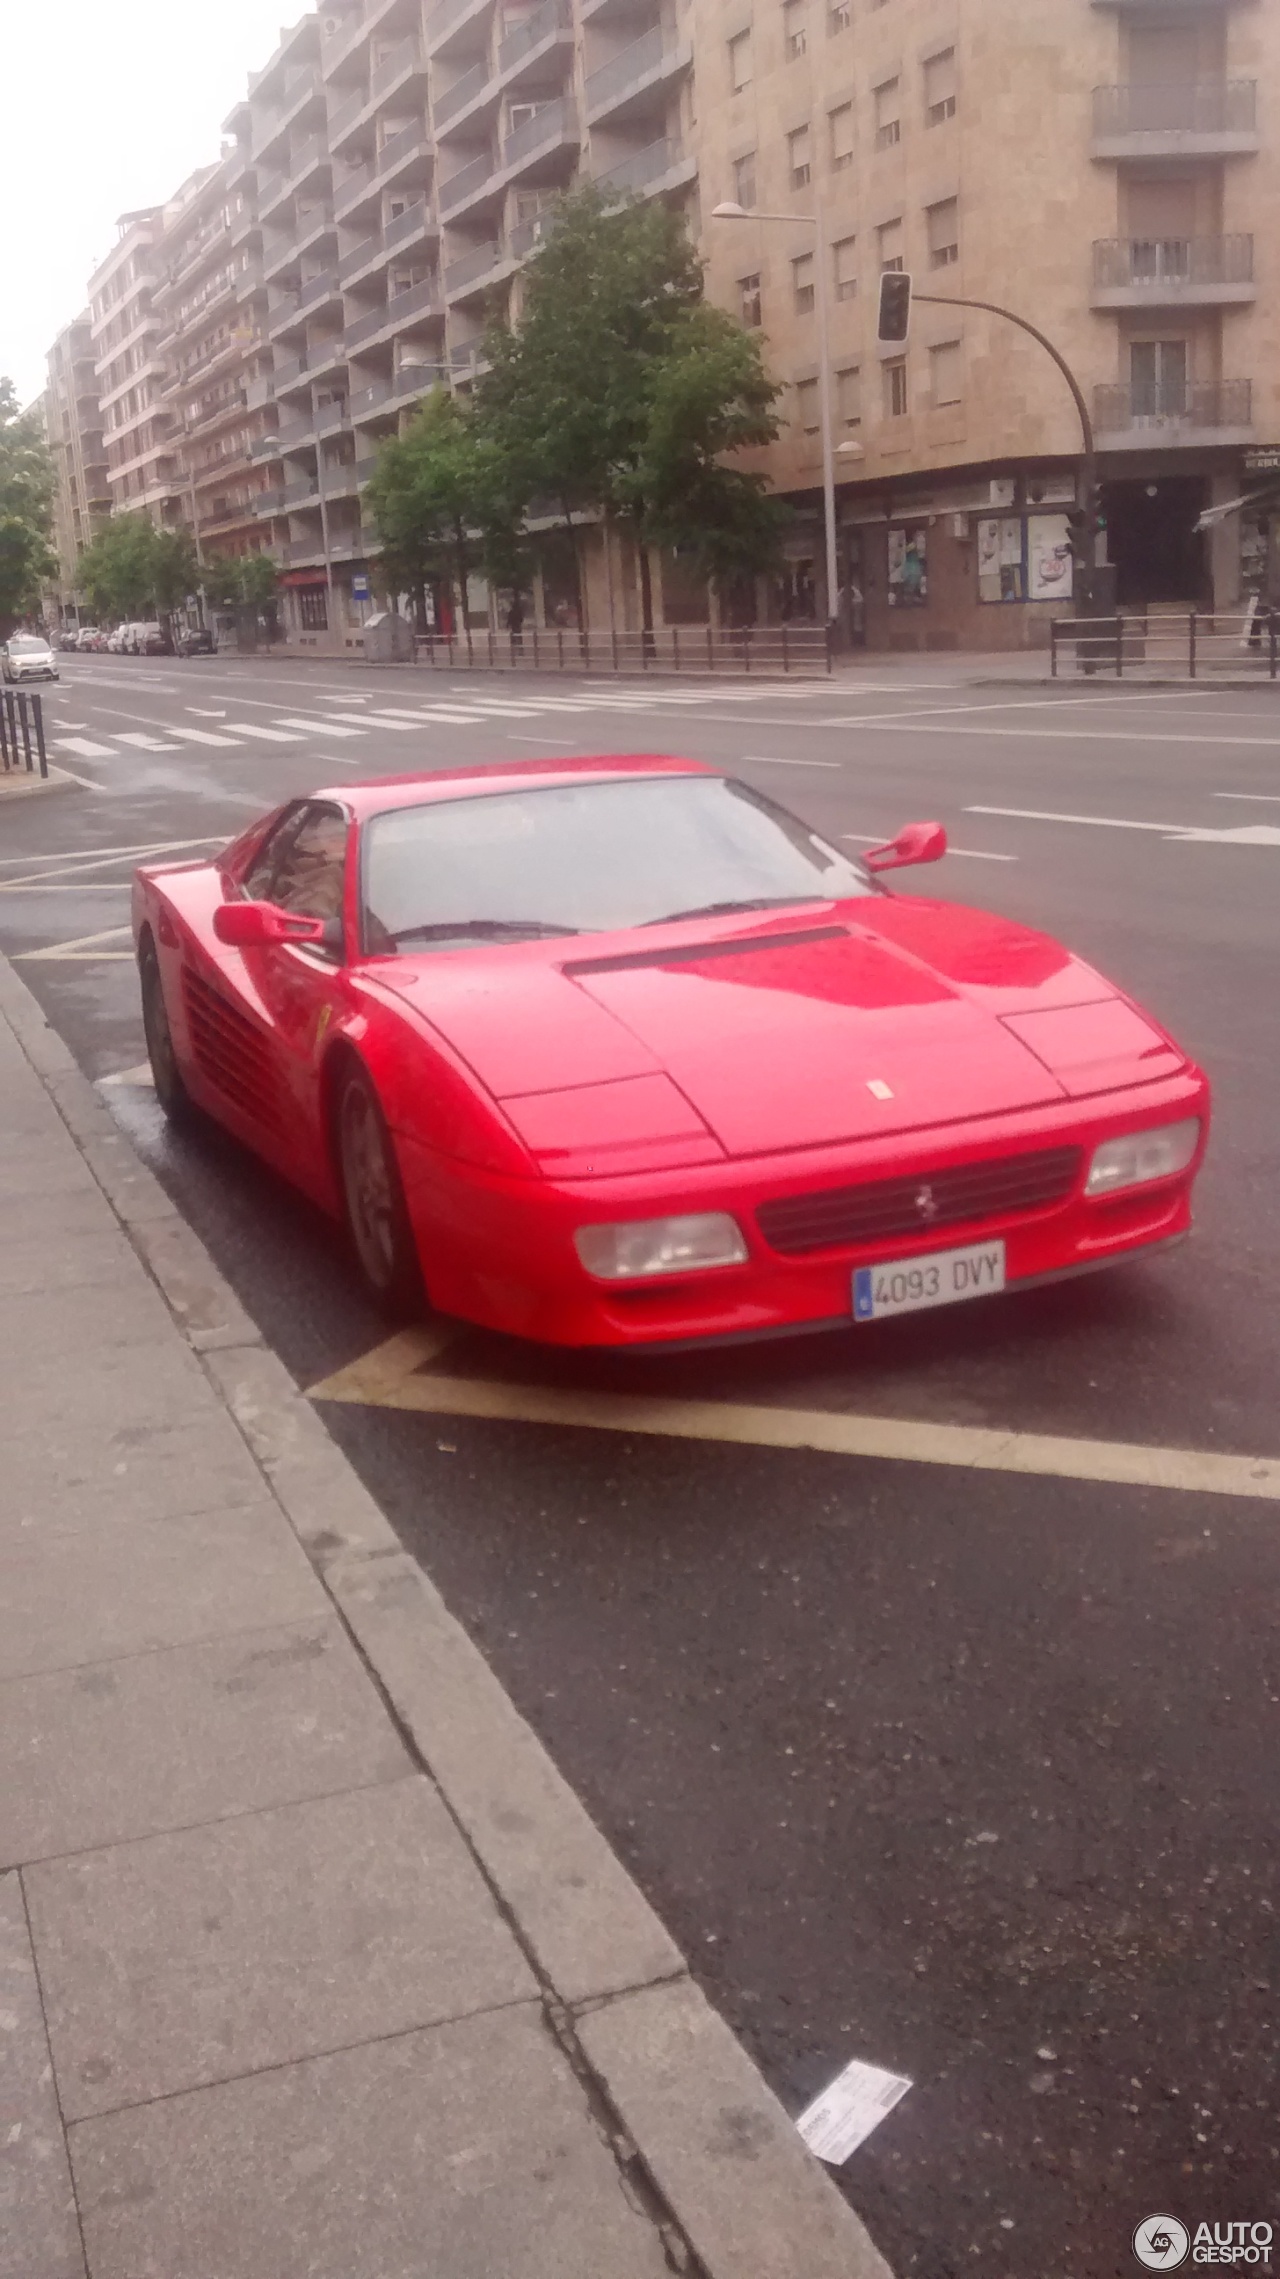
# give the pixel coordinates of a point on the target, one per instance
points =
(458, 707)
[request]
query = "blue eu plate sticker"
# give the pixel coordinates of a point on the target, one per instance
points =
(864, 1304)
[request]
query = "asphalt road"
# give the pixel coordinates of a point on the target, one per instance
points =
(966, 1773)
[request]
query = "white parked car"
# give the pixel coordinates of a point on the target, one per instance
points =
(28, 657)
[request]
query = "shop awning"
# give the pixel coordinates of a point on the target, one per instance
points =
(304, 578)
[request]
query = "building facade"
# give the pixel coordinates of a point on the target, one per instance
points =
(1102, 166)
(73, 425)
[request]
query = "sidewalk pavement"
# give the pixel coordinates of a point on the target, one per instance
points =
(311, 1966)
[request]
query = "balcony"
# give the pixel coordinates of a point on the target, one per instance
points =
(399, 155)
(351, 32)
(474, 270)
(552, 129)
(260, 391)
(1176, 417)
(301, 88)
(476, 82)
(1196, 118)
(456, 24)
(406, 229)
(303, 551)
(268, 502)
(265, 447)
(249, 281)
(305, 492)
(417, 306)
(404, 63)
(1172, 272)
(308, 160)
(469, 181)
(314, 294)
(408, 385)
(649, 173)
(626, 82)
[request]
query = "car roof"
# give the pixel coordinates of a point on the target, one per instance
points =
(378, 794)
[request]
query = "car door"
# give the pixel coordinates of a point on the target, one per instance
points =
(302, 987)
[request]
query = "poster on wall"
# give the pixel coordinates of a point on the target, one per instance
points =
(1001, 572)
(908, 565)
(1049, 562)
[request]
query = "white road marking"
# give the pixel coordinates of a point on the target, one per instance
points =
(1246, 835)
(362, 719)
(97, 858)
(765, 760)
(82, 948)
(1258, 798)
(141, 743)
(139, 1074)
(86, 782)
(449, 718)
(901, 725)
(317, 727)
(971, 854)
(204, 712)
(255, 729)
(394, 1376)
(86, 886)
(558, 743)
(203, 736)
(83, 748)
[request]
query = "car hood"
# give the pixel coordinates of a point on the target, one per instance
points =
(855, 1021)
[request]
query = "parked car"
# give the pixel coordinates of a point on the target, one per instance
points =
(196, 641)
(616, 1052)
(152, 640)
(118, 641)
(28, 657)
(90, 640)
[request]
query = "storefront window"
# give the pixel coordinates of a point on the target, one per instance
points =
(313, 609)
(908, 566)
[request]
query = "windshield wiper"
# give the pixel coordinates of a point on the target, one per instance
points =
(728, 909)
(481, 930)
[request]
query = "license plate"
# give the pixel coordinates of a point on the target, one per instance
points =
(940, 1278)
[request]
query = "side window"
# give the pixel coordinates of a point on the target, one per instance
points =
(310, 869)
(257, 879)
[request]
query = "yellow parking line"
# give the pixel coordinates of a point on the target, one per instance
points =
(395, 1376)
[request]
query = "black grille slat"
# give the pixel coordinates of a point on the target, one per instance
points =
(228, 1049)
(843, 1216)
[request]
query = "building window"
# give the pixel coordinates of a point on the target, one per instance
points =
(844, 256)
(744, 179)
(1158, 374)
(849, 396)
(940, 87)
(313, 609)
(895, 387)
(795, 28)
(749, 300)
(839, 18)
(945, 374)
(944, 233)
(802, 284)
(840, 127)
(887, 112)
(798, 158)
(808, 411)
(740, 61)
(889, 245)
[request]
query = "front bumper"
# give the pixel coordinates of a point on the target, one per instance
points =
(499, 1251)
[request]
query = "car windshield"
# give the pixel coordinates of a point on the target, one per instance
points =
(25, 647)
(588, 858)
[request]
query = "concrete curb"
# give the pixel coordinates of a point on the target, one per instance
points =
(732, 2188)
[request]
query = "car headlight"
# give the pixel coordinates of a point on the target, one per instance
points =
(1142, 1156)
(640, 1247)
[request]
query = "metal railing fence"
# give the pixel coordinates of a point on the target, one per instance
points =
(1193, 645)
(769, 650)
(22, 732)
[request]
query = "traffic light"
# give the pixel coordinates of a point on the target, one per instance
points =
(895, 306)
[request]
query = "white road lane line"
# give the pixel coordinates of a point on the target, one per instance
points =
(203, 711)
(83, 946)
(765, 760)
(393, 1377)
(363, 719)
(1248, 834)
(203, 736)
(83, 748)
(98, 858)
(140, 742)
(1257, 798)
(316, 727)
(900, 725)
(255, 730)
(970, 854)
(557, 743)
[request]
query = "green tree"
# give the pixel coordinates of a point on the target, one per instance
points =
(622, 389)
(708, 397)
(26, 500)
(566, 396)
(115, 570)
(445, 501)
(175, 571)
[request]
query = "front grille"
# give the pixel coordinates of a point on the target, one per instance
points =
(229, 1049)
(928, 1200)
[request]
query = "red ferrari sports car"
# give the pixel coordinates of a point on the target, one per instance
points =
(618, 1052)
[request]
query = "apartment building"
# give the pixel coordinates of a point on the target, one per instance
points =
(138, 427)
(1104, 167)
(73, 424)
(209, 300)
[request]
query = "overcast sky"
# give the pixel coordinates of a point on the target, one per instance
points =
(105, 109)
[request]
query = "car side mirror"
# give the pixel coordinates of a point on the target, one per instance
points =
(254, 925)
(915, 843)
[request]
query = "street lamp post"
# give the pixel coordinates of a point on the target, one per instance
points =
(732, 212)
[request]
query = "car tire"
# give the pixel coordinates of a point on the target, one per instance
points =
(171, 1091)
(373, 1199)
